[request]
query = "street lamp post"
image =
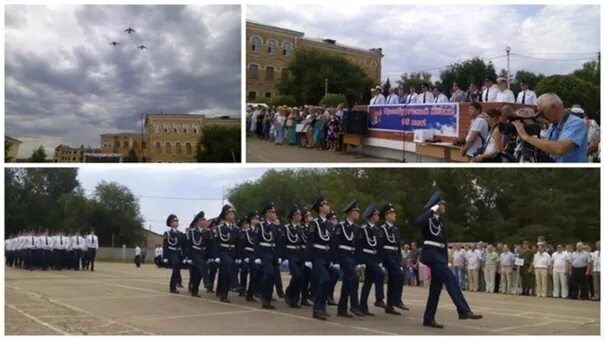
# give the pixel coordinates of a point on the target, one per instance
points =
(508, 49)
(326, 81)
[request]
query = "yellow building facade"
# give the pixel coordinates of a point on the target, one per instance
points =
(270, 49)
(11, 148)
(67, 154)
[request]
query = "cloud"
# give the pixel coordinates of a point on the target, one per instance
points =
(426, 37)
(65, 84)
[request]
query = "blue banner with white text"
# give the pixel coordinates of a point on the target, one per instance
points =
(442, 118)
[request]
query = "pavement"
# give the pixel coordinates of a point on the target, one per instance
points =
(120, 299)
(259, 150)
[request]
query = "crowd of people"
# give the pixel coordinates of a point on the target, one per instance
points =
(312, 127)
(29, 250)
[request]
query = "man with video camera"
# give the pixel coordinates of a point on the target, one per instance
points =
(567, 135)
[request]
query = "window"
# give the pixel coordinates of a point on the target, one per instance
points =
(175, 130)
(251, 95)
(156, 127)
(178, 148)
(189, 148)
(135, 144)
(253, 72)
(272, 46)
(256, 42)
(144, 145)
(374, 63)
(287, 49)
(186, 131)
(270, 73)
(117, 144)
(126, 144)
(168, 148)
(158, 147)
(267, 95)
(195, 128)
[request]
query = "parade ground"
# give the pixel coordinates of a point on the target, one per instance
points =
(120, 299)
(262, 151)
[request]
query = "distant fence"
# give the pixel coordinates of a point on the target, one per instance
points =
(120, 254)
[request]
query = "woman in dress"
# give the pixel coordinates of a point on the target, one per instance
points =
(280, 126)
(333, 131)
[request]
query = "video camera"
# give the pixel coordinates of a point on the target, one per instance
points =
(517, 150)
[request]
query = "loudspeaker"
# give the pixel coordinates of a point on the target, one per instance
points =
(356, 122)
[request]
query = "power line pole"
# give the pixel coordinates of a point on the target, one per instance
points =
(508, 49)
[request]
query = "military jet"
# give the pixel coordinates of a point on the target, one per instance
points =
(129, 30)
(114, 43)
(142, 47)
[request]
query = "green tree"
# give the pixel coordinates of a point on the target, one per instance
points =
(309, 69)
(333, 100)
(589, 71)
(132, 157)
(530, 78)
(415, 79)
(572, 90)
(219, 144)
(282, 100)
(386, 87)
(38, 155)
(472, 71)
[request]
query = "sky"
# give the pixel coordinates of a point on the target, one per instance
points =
(429, 37)
(65, 83)
(184, 191)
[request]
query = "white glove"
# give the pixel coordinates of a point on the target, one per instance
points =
(258, 261)
(285, 263)
(308, 264)
(246, 260)
(237, 261)
(184, 261)
(335, 266)
(210, 260)
(382, 268)
(279, 261)
(190, 261)
(434, 208)
(359, 267)
(165, 260)
(217, 260)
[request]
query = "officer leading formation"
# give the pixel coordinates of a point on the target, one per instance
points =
(248, 255)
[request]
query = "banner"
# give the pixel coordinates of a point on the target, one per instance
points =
(442, 118)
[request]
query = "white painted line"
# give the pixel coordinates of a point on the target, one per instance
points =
(193, 315)
(523, 326)
(38, 321)
(109, 297)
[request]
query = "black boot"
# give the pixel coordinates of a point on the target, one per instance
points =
(391, 310)
(433, 324)
(469, 315)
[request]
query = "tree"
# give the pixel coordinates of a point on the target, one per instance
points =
(38, 155)
(132, 157)
(590, 72)
(282, 100)
(572, 90)
(386, 87)
(309, 69)
(333, 100)
(415, 79)
(530, 78)
(219, 144)
(472, 71)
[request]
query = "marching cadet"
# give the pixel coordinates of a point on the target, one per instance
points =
(243, 270)
(367, 248)
(199, 241)
(186, 256)
(92, 243)
(173, 243)
(307, 271)
(69, 253)
(292, 239)
(390, 250)
(334, 269)
(224, 251)
(346, 233)
(251, 263)
(212, 266)
(60, 251)
(29, 247)
(320, 256)
(266, 249)
(45, 245)
(234, 280)
(77, 244)
(434, 255)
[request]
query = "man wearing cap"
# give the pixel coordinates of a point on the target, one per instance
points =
(393, 98)
(346, 233)
(489, 94)
(173, 242)
(307, 271)
(224, 251)
(434, 255)
(199, 241)
(504, 95)
(212, 266)
(292, 240)
(389, 239)
(266, 249)
(251, 262)
(320, 256)
(334, 268)
(526, 96)
(426, 96)
(234, 280)
(367, 250)
(379, 98)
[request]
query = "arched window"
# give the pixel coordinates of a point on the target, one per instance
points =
(256, 43)
(253, 73)
(272, 46)
(157, 127)
(168, 148)
(287, 48)
(189, 148)
(135, 144)
(270, 73)
(178, 148)
(158, 147)
(126, 144)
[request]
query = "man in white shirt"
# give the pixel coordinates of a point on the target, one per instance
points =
(60, 251)
(459, 264)
(379, 97)
(137, 256)
(504, 95)
(526, 96)
(506, 263)
(392, 96)
(473, 260)
(479, 131)
(412, 96)
(426, 96)
(541, 263)
(580, 262)
(438, 96)
(92, 242)
(595, 260)
(457, 95)
(490, 92)
(77, 244)
(560, 269)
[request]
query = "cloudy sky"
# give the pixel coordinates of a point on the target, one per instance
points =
(182, 190)
(429, 37)
(66, 84)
